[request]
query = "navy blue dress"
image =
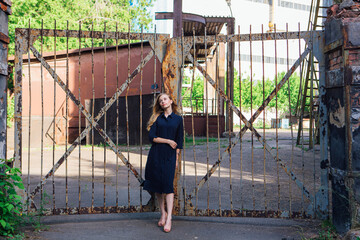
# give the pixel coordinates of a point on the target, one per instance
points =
(161, 162)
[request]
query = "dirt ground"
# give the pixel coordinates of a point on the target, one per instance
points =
(251, 181)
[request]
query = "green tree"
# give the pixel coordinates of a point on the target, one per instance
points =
(197, 93)
(85, 12)
(261, 91)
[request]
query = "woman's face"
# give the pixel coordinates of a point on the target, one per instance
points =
(165, 102)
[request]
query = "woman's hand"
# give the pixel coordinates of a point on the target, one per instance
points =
(172, 144)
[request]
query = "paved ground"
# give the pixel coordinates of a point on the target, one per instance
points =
(143, 226)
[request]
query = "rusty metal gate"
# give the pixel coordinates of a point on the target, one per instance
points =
(242, 174)
(255, 177)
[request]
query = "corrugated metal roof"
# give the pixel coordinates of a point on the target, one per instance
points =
(213, 26)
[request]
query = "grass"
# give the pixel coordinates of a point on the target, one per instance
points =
(327, 232)
(200, 141)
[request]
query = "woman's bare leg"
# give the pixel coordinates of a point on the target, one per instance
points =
(169, 206)
(161, 201)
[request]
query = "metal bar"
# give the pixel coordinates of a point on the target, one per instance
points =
(79, 177)
(66, 117)
(90, 34)
(183, 151)
(105, 95)
(19, 41)
(218, 118)
(212, 212)
(127, 118)
(88, 117)
(105, 113)
(29, 135)
(42, 119)
(290, 113)
(311, 130)
(150, 36)
(251, 112)
(192, 117)
(95, 210)
(117, 116)
(92, 118)
(255, 37)
(229, 112)
(302, 131)
(258, 136)
(276, 125)
(54, 136)
(264, 132)
(241, 149)
(323, 200)
(141, 109)
(178, 18)
(207, 123)
(251, 213)
(155, 86)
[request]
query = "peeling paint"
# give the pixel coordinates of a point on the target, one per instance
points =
(337, 117)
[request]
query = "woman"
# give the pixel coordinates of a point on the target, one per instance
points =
(166, 135)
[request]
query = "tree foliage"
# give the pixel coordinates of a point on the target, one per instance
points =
(86, 12)
(260, 91)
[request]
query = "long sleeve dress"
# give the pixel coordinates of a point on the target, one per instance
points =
(161, 162)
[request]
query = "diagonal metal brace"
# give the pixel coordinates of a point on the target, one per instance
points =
(88, 116)
(248, 126)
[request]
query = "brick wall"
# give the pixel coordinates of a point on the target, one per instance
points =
(342, 54)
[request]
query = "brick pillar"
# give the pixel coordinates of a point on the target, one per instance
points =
(342, 54)
(5, 10)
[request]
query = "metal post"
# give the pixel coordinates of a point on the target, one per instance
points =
(177, 23)
(230, 70)
(342, 49)
(4, 41)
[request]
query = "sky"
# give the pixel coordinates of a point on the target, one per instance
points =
(246, 12)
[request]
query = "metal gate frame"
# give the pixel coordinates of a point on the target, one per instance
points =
(319, 204)
(24, 42)
(172, 53)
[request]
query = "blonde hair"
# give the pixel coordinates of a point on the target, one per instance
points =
(157, 110)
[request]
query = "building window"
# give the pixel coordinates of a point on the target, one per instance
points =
(267, 59)
(286, 4)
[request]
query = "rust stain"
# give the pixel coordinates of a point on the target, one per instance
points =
(4, 38)
(337, 117)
